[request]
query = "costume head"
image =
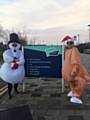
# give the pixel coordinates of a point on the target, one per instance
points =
(69, 41)
(14, 43)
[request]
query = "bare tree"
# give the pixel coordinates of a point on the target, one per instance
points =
(3, 35)
(23, 38)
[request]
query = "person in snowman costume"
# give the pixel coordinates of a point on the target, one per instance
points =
(12, 71)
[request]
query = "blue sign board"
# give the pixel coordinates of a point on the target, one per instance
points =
(43, 61)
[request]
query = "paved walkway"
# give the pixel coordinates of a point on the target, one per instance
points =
(47, 102)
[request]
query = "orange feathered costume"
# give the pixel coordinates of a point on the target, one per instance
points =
(74, 73)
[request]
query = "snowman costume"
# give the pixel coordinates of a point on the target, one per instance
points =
(12, 70)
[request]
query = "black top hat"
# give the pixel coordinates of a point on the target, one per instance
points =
(14, 38)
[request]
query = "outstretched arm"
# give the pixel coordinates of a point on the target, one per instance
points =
(75, 61)
(21, 60)
(6, 57)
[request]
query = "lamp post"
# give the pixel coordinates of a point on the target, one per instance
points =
(78, 38)
(89, 32)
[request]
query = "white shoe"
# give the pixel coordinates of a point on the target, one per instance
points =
(75, 100)
(70, 94)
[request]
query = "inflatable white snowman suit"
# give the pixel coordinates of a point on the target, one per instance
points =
(12, 70)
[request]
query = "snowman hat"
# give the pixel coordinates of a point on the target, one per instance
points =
(14, 38)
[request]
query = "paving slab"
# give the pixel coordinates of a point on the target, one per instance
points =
(47, 102)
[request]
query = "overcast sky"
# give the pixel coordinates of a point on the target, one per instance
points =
(41, 14)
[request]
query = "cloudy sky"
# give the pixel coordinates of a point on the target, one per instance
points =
(43, 14)
(40, 14)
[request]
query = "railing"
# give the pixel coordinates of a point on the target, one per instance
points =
(3, 88)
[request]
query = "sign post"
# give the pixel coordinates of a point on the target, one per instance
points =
(63, 87)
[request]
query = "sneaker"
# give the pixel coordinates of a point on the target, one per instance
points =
(70, 94)
(75, 100)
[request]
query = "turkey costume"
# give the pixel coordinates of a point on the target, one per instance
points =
(74, 73)
(12, 70)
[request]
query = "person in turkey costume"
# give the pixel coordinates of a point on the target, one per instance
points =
(12, 70)
(74, 73)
